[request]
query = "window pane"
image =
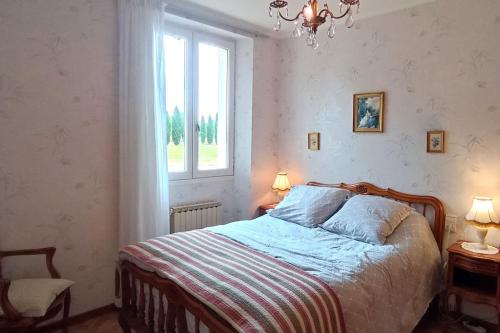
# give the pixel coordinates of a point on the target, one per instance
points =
(175, 83)
(212, 107)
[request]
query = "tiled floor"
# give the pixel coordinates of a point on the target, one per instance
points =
(108, 323)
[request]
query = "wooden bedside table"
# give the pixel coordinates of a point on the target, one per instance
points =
(263, 208)
(474, 277)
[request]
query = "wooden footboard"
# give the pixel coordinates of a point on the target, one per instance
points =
(167, 313)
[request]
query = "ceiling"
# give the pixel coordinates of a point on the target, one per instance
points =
(255, 12)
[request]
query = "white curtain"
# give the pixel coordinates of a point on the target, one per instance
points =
(144, 201)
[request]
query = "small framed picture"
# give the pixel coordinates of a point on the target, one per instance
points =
(313, 141)
(435, 142)
(368, 112)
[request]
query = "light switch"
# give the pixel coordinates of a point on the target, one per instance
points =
(451, 222)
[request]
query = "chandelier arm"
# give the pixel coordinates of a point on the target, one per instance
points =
(329, 13)
(326, 12)
(288, 19)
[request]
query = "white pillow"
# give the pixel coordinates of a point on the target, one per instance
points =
(368, 218)
(309, 205)
(32, 297)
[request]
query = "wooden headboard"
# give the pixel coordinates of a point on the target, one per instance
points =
(421, 203)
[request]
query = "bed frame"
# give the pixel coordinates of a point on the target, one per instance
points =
(143, 315)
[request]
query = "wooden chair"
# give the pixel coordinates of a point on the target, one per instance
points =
(12, 320)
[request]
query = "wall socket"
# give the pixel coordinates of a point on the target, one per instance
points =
(451, 222)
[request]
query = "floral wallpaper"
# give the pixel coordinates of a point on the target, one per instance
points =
(440, 69)
(265, 124)
(58, 140)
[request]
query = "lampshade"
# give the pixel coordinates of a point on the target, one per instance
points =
(281, 182)
(482, 211)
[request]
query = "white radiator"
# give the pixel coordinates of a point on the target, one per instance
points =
(195, 216)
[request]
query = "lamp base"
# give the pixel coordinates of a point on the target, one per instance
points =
(479, 248)
(281, 195)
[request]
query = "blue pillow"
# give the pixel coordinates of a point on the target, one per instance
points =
(367, 218)
(310, 205)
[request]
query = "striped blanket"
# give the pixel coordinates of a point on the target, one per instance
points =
(254, 292)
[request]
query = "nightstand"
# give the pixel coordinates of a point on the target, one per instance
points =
(264, 208)
(473, 277)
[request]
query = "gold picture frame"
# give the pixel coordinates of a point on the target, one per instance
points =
(368, 112)
(313, 141)
(435, 142)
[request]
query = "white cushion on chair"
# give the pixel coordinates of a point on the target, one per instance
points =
(33, 297)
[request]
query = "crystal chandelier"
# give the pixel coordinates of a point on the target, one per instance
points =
(313, 17)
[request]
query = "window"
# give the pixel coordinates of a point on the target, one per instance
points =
(199, 98)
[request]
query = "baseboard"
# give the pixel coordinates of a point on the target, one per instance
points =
(78, 318)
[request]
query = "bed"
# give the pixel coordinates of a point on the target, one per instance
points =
(375, 288)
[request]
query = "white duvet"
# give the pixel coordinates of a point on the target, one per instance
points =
(382, 288)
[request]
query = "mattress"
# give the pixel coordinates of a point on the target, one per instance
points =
(382, 288)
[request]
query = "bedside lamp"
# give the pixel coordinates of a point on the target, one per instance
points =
(281, 184)
(481, 216)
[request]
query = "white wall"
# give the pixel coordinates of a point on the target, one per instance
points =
(58, 139)
(440, 69)
(265, 122)
(59, 142)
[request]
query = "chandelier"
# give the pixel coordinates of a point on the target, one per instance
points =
(313, 17)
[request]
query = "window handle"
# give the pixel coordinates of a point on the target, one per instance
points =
(197, 128)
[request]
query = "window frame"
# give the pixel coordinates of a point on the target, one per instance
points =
(192, 38)
(229, 46)
(188, 102)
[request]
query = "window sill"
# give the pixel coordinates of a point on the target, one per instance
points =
(201, 180)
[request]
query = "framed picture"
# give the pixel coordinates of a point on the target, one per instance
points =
(435, 142)
(368, 112)
(313, 141)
